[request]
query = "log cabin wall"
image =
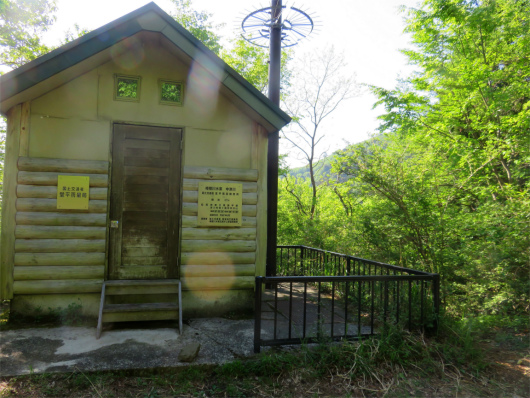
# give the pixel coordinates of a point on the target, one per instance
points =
(218, 258)
(63, 251)
(59, 251)
(60, 256)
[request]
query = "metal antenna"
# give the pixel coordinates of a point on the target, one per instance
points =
(295, 25)
(275, 27)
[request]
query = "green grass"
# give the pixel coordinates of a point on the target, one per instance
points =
(398, 364)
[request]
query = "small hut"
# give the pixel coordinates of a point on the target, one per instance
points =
(135, 159)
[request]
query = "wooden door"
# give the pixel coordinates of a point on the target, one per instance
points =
(145, 202)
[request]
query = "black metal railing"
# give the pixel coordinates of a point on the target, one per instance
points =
(321, 295)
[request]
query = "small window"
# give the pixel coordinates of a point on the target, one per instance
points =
(127, 88)
(171, 93)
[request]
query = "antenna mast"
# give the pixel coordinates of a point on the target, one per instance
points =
(275, 27)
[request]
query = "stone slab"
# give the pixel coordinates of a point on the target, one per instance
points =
(67, 349)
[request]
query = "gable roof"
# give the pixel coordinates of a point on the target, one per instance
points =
(52, 69)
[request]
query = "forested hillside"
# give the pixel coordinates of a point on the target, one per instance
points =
(444, 187)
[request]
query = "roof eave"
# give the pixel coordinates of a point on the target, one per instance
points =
(64, 57)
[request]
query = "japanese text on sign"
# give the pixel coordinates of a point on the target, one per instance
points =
(220, 204)
(72, 192)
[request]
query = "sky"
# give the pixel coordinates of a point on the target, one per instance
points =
(369, 33)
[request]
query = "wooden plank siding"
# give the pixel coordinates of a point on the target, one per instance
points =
(7, 237)
(218, 258)
(50, 192)
(64, 251)
(59, 251)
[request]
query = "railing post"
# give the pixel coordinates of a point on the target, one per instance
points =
(302, 259)
(436, 298)
(348, 266)
(422, 322)
(257, 314)
(319, 324)
(385, 301)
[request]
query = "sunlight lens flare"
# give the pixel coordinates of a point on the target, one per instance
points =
(198, 270)
(128, 54)
(203, 87)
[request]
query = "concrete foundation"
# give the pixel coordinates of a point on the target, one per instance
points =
(195, 304)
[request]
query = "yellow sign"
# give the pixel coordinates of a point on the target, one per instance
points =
(220, 204)
(72, 192)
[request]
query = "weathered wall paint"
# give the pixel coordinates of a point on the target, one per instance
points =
(53, 137)
(195, 304)
(86, 305)
(74, 121)
(217, 149)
